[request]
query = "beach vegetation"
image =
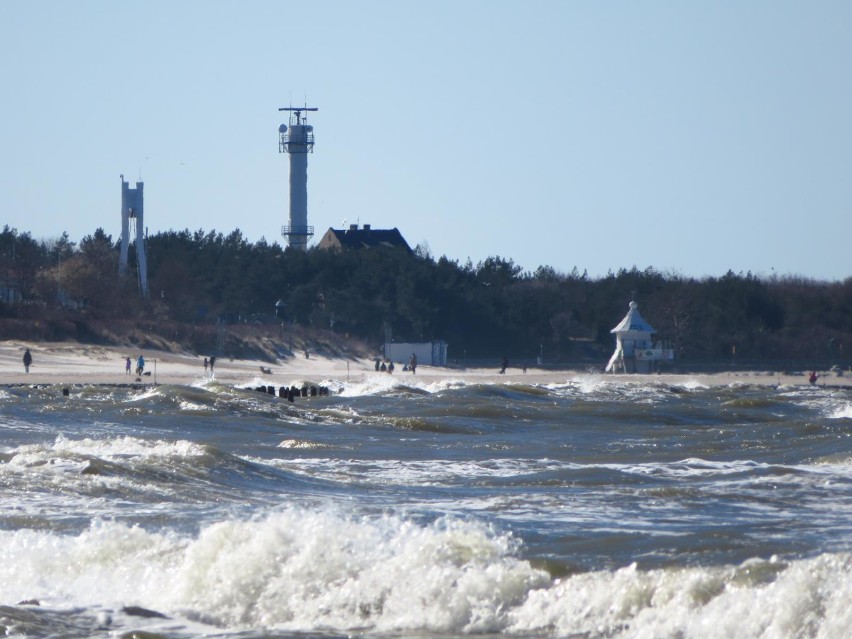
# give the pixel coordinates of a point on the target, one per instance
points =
(200, 280)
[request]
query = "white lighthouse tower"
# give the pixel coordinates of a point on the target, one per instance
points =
(133, 214)
(298, 141)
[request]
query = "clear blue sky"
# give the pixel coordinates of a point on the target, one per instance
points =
(694, 137)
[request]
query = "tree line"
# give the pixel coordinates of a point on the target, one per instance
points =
(491, 309)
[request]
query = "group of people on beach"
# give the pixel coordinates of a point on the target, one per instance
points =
(389, 366)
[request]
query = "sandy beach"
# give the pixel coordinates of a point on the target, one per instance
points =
(76, 364)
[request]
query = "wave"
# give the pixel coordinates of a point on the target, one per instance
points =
(298, 570)
(69, 481)
(841, 412)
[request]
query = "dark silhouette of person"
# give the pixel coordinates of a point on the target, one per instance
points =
(412, 363)
(212, 361)
(813, 378)
(504, 365)
(28, 360)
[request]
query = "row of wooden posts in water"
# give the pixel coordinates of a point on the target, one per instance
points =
(292, 392)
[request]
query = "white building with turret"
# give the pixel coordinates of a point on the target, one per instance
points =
(636, 347)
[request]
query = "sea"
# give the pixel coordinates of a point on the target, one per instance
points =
(401, 506)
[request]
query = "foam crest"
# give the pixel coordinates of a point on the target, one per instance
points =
(416, 473)
(372, 385)
(302, 570)
(150, 392)
(585, 384)
(110, 449)
(384, 384)
(693, 384)
(293, 570)
(841, 412)
(758, 599)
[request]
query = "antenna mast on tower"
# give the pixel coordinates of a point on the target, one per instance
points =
(297, 141)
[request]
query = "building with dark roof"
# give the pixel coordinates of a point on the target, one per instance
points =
(362, 238)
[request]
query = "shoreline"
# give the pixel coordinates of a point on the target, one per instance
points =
(73, 364)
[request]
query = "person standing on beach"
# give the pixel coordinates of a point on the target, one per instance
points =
(212, 361)
(205, 365)
(127, 365)
(28, 360)
(140, 365)
(412, 363)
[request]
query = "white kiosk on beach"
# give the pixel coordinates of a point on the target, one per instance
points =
(636, 350)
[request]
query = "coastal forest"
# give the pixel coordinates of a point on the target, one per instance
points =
(202, 282)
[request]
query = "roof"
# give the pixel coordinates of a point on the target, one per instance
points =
(633, 321)
(361, 238)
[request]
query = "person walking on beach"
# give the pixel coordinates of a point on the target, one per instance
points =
(212, 361)
(127, 365)
(205, 365)
(28, 359)
(412, 363)
(140, 365)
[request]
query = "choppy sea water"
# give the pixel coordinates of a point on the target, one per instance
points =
(401, 507)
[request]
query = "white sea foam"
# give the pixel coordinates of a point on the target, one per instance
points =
(384, 383)
(841, 412)
(295, 570)
(586, 384)
(692, 384)
(758, 599)
(372, 385)
(420, 472)
(149, 392)
(107, 448)
(298, 444)
(301, 570)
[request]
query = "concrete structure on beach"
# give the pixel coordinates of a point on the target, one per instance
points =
(133, 214)
(636, 347)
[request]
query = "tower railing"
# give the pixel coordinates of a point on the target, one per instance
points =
(292, 143)
(306, 231)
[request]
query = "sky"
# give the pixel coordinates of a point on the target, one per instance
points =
(691, 137)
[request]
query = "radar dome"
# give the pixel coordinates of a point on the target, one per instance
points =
(310, 127)
(282, 128)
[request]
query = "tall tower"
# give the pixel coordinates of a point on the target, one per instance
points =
(132, 213)
(298, 141)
